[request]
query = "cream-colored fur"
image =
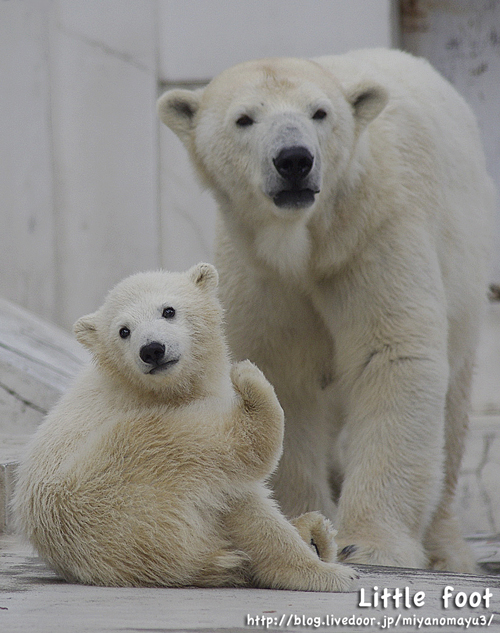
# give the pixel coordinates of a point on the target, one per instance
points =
(153, 474)
(357, 290)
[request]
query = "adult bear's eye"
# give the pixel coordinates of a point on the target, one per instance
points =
(244, 121)
(124, 332)
(168, 313)
(319, 114)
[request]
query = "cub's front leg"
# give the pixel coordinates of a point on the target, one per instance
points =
(258, 423)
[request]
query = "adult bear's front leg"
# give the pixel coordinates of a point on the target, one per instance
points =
(392, 368)
(394, 461)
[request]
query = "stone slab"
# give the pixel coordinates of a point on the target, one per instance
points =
(37, 362)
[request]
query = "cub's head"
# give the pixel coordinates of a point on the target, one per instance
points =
(274, 134)
(157, 330)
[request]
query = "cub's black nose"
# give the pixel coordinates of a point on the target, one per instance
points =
(152, 353)
(294, 163)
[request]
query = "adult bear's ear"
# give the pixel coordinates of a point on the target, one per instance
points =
(204, 276)
(367, 101)
(177, 109)
(85, 330)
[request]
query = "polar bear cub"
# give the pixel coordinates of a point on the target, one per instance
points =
(151, 469)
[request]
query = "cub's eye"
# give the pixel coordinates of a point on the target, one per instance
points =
(244, 121)
(168, 313)
(319, 114)
(124, 332)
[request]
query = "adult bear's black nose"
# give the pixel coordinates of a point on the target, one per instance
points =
(294, 163)
(152, 353)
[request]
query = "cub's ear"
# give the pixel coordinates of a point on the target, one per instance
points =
(367, 100)
(204, 276)
(85, 330)
(177, 109)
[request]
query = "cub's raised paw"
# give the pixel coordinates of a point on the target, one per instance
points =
(318, 532)
(246, 373)
(253, 387)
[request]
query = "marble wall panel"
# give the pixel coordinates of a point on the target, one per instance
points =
(122, 28)
(199, 39)
(105, 153)
(27, 262)
(462, 40)
(188, 212)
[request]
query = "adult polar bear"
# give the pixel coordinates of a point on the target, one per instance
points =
(354, 210)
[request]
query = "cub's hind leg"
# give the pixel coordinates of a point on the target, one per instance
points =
(318, 532)
(278, 557)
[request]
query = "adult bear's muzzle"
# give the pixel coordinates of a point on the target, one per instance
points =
(294, 165)
(294, 170)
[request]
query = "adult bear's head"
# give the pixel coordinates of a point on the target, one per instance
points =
(272, 135)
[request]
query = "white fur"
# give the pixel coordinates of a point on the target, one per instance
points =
(363, 308)
(140, 478)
